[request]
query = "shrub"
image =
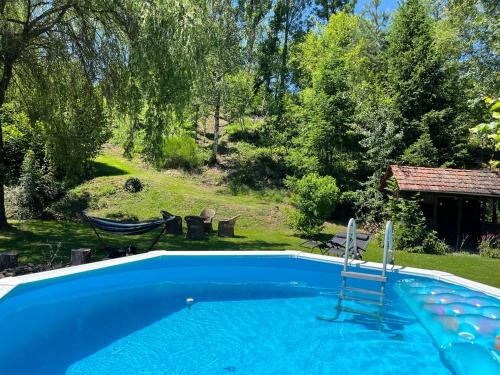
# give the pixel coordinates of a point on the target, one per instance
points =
(489, 246)
(369, 204)
(35, 190)
(258, 167)
(18, 136)
(249, 131)
(314, 199)
(133, 185)
(69, 207)
(410, 230)
(182, 152)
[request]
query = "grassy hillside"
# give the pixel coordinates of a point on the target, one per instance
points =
(261, 226)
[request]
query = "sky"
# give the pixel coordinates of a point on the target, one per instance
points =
(388, 5)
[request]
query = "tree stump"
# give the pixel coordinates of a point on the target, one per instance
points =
(80, 256)
(8, 259)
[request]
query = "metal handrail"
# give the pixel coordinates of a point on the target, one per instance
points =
(351, 230)
(388, 246)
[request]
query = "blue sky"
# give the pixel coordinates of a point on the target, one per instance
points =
(389, 5)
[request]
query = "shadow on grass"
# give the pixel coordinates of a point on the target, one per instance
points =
(217, 243)
(32, 239)
(103, 169)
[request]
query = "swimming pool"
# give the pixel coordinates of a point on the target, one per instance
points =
(252, 313)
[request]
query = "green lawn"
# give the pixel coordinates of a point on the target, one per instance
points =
(261, 227)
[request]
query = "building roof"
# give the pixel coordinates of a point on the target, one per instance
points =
(476, 182)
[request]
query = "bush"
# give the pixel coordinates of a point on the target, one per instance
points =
(410, 230)
(258, 167)
(314, 199)
(18, 137)
(69, 207)
(182, 152)
(489, 246)
(35, 190)
(369, 204)
(133, 185)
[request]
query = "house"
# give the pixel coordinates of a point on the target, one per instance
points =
(460, 204)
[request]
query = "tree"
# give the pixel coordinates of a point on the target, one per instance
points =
(487, 134)
(167, 55)
(376, 35)
(274, 52)
(421, 153)
(251, 14)
(423, 87)
(325, 8)
(414, 72)
(330, 63)
(476, 29)
(223, 58)
(53, 31)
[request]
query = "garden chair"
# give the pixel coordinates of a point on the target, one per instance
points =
(207, 215)
(195, 228)
(226, 227)
(127, 228)
(336, 245)
(173, 226)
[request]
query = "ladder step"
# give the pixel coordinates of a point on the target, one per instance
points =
(364, 291)
(364, 276)
(375, 314)
(363, 300)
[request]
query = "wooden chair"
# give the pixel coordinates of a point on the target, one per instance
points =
(207, 215)
(226, 227)
(174, 226)
(195, 228)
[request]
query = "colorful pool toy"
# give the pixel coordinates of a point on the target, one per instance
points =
(456, 318)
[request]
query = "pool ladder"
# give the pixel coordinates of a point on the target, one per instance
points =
(364, 296)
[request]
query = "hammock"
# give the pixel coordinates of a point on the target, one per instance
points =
(127, 228)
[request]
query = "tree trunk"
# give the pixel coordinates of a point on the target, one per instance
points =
(251, 34)
(284, 59)
(216, 126)
(8, 260)
(4, 84)
(80, 256)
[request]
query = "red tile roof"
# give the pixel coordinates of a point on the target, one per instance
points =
(481, 182)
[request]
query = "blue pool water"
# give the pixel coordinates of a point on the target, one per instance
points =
(251, 315)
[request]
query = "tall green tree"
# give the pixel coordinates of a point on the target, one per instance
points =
(167, 54)
(330, 63)
(475, 24)
(54, 30)
(422, 87)
(251, 15)
(223, 58)
(324, 9)
(274, 53)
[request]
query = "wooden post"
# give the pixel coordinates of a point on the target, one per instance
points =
(435, 214)
(459, 222)
(8, 259)
(80, 256)
(494, 213)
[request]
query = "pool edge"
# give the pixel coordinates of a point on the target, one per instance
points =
(7, 284)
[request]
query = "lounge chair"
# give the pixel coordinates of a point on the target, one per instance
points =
(195, 228)
(226, 227)
(336, 245)
(127, 228)
(207, 215)
(173, 226)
